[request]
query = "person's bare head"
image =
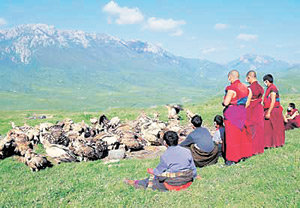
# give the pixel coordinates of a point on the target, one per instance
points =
(251, 76)
(233, 75)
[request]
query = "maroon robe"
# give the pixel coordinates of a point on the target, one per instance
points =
(293, 123)
(255, 119)
(237, 142)
(274, 127)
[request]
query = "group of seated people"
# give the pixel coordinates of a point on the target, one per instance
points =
(253, 121)
(177, 167)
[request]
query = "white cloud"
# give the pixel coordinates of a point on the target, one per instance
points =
(165, 25)
(242, 46)
(124, 15)
(2, 21)
(247, 37)
(208, 50)
(243, 26)
(221, 26)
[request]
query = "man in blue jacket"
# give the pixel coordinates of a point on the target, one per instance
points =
(175, 171)
(200, 142)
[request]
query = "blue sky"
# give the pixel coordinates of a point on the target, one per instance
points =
(213, 29)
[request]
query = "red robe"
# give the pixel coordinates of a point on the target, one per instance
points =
(293, 123)
(255, 119)
(274, 127)
(237, 141)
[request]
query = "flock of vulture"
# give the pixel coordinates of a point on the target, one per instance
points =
(67, 141)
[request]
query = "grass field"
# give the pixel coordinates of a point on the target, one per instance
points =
(268, 180)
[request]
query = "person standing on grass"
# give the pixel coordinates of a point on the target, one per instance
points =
(255, 113)
(176, 170)
(274, 122)
(203, 149)
(237, 143)
(291, 117)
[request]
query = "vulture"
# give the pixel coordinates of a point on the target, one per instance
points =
(35, 161)
(173, 111)
(59, 152)
(190, 114)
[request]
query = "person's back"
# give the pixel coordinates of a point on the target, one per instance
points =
(241, 91)
(176, 170)
(203, 149)
(175, 159)
(201, 138)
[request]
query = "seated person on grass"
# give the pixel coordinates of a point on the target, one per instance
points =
(203, 149)
(291, 117)
(219, 135)
(175, 171)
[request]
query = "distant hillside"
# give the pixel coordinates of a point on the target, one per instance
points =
(43, 67)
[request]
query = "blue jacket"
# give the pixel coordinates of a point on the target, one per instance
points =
(176, 159)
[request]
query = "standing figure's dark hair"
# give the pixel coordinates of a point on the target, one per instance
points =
(171, 138)
(292, 105)
(219, 120)
(197, 121)
(268, 77)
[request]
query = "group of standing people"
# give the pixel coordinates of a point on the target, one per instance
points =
(250, 124)
(253, 121)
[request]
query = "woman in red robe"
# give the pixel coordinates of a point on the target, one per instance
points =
(274, 122)
(292, 117)
(255, 113)
(237, 143)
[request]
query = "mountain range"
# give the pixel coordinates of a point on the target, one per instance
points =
(43, 67)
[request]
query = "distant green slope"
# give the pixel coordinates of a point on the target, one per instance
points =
(88, 89)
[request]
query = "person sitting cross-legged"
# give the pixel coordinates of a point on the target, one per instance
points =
(291, 117)
(200, 142)
(176, 170)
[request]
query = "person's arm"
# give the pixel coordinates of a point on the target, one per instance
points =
(230, 94)
(162, 167)
(249, 98)
(217, 137)
(187, 142)
(294, 115)
(285, 117)
(273, 99)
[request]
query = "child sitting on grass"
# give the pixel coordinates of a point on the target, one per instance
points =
(219, 135)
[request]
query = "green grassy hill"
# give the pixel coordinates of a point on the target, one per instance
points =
(268, 180)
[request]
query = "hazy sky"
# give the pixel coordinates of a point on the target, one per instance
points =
(212, 29)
